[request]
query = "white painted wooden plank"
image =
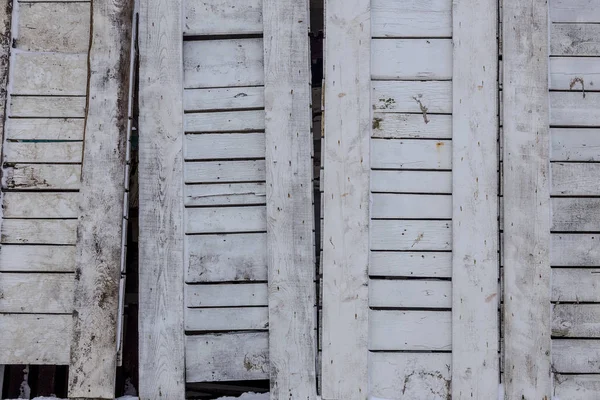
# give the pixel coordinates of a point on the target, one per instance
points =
(411, 59)
(574, 179)
(575, 214)
(408, 376)
(347, 129)
(387, 205)
(17, 258)
(223, 98)
(217, 258)
(575, 144)
(575, 356)
(54, 27)
(402, 126)
(573, 109)
(47, 107)
(410, 264)
(41, 177)
(162, 356)
(575, 284)
(411, 181)
(220, 63)
(36, 293)
(411, 154)
(575, 40)
(411, 235)
(46, 152)
(410, 294)
(213, 146)
(43, 339)
(575, 73)
(574, 11)
(576, 320)
(39, 231)
(50, 74)
(224, 171)
(414, 18)
(410, 330)
(526, 185)
(222, 17)
(412, 97)
(44, 129)
(225, 219)
(226, 319)
(225, 194)
(576, 387)
(226, 357)
(226, 295)
(41, 205)
(575, 250)
(231, 121)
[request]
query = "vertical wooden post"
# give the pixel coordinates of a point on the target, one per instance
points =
(290, 220)
(99, 235)
(527, 314)
(475, 296)
(161, 335)
(346, 194)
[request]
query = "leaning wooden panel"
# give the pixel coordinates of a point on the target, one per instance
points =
(527, 316)
(346, 183)
(161, 358)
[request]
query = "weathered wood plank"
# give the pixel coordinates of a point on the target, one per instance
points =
(574, 109)
(36, 293)
(411, 235)
(575, 214)
(414, 18)
(410, 294)
(408, 376)
(224, 171)
(47, 107)
(219, 63)
(410, 330)
(575, 144)
(39, 231)
(214, 146)
(162, 356)
(575, 40)
(575, 356)
(226, 295)
(225, 194)
(50, 74)
(217, 258)
(43, 339)
(16, 258)
(411, 264)
(231, 121)
(575, 284)
(412, 97)
(225, 219)
(47, 152)
(574, 179)
(226, 319)
(226, 357)
(575, 73)
(40, 177)
(403, 126)
(411, 182)
(575, 250)
(44, 129)
(411, 59)
(222, 17)
(576, 387)
(574, 11)
(223, 98)
(576, 320)
(411, 154)
(41, 205)
(411, 206)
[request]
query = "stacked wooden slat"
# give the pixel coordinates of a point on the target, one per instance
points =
(226, 314)
(575, 157)
(411, 199)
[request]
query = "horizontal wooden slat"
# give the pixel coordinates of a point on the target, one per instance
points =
(227, 357)
(411, 206)
(576, 387)
(574, 179)
(575, 73)
(39, 231)
(574, 11)
(226, 319)
(222, 17)
(47, 107)
(575, 214)
(414, 18)
(575, 250)
(220, 63)
(217, 258)
(411, 59)
(225, 219)
(46, 152)
(50, 74)
(410, 293)
(411, 235)
(573, 109)
(575, 144)
(54, 27)
(36, 293)
(412, 97)
(576, 320)
(223, 98)
(226, 295)
(410, 376)
(410, 264)
(402, 126)
(40, 177)
(410, 330)
(213, 146)
(37, 258)
(575, 284)
(224, 194)
(44, 129)
(224, 171)
(229, 121)
(411, 154)
(35, 339)
(575, 39)
(411, 181)
(41, 205)
(575, 356)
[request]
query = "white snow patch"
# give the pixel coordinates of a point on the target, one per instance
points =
(248, 396)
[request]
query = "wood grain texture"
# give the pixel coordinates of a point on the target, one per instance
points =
(231, 121)
(36, 293)
(47, 152)
(346, 209)
(576, 387)
(411, 235)
(42, 258)
(411, 264)
(576, 320)
(575, 179)
(39, 231)
(576, 356)
(44, 129)
(411, 182)
(215, 146)
(574, 109)
(50, 74)
(575, 250)
(575, 214)
(414, 18)
(225, 219)
(575, 144)
(574, 39)
(575, 285)
(411, 154)
(226, 295)
(47, 107)
(574, 11)
(41, 205)
(410, 294)
(222, 17)
(224, 171)
(527, 315)
(161, 335)
(578, 74)
(223, 98)
(41, 177)
(405, 126)
(226, 320)
(414, 97)
(411, 206)
(225, 194)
